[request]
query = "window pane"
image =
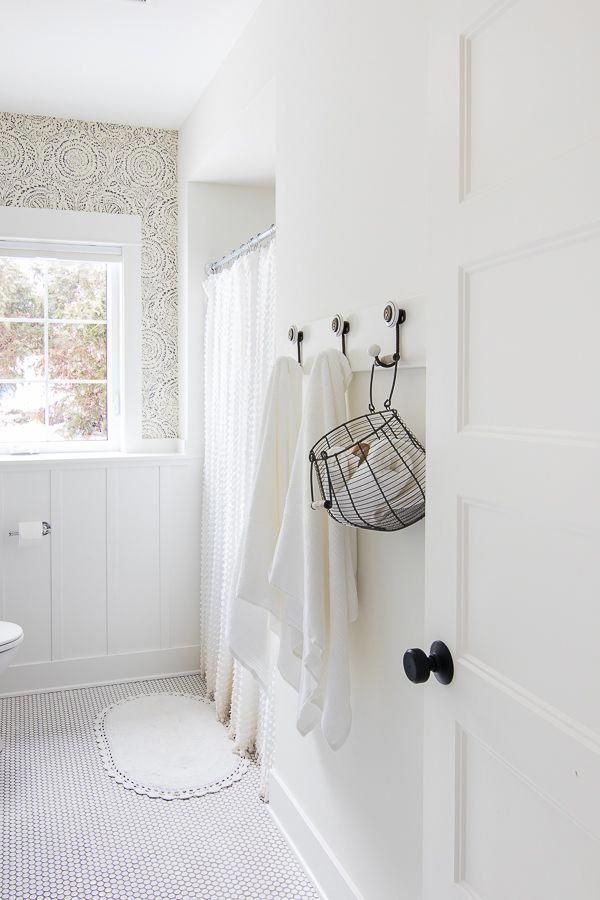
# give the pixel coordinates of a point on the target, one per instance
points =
(22, 412)
(21, 350)
(77, 351)
(21, 288)
(77, 412)
(77, 290)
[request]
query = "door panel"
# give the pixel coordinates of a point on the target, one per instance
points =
(529, 88)
(527, 300)
(551, 856)
(512, 748)
(517, 574)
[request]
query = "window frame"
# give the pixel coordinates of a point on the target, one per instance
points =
(113, 257)
(102, 229)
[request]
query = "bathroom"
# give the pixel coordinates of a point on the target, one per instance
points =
(403, 161)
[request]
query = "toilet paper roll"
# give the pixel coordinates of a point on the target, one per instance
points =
(29, 533)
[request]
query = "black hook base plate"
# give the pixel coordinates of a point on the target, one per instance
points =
(387, 315)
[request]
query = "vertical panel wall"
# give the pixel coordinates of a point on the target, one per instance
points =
(78, 517)
(114, 591)
(179, 555)
(133, 560)
(26, 585)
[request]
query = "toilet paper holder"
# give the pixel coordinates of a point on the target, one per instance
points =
(46, 529)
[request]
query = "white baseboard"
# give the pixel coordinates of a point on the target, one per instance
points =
(69, 673)
(328, 874)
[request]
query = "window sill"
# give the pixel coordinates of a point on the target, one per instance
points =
(94, 460)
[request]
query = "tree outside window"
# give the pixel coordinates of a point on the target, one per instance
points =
(53, 350)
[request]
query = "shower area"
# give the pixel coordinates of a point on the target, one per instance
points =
(239, 351)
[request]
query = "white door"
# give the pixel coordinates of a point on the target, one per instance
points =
(512, 777)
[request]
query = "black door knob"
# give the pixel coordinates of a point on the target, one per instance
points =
(418, 666)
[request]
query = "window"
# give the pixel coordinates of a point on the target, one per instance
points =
(58, 347)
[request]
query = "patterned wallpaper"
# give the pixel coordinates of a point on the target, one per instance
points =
(90, 166)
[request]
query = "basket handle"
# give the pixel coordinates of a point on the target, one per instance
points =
(324, 503)
(387, 403)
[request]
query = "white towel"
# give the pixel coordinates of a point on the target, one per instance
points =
(397, 489)
(255, 598)
(315, 565)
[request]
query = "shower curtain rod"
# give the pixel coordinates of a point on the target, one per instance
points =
(213, 268)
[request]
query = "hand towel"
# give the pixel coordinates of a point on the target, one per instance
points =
(255, 598)
(315, 565)
(382, 482)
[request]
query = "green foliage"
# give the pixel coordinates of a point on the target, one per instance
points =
(77, 351)
(21, 350)
(21, 287)
(75, 290)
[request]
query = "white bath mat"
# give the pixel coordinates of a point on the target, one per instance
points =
(167, 745)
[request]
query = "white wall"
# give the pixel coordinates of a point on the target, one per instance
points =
(351, 85)
(226, 186)
(351, 81)
(113, 592)
(229, 137)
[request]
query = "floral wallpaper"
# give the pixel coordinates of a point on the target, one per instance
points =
(91, 166)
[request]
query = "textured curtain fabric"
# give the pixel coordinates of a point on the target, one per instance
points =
(239, 350)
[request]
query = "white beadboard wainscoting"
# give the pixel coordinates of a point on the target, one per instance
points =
(113, 593)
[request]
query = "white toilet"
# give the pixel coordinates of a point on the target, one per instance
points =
(11, 637)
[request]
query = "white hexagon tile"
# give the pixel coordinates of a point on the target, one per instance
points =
(69, 831)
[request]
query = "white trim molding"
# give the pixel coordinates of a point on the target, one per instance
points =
(115, 230)
(325, 869)
(74, 673)
(65, 226)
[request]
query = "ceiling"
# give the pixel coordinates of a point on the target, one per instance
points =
(123, 61)
(245, 153)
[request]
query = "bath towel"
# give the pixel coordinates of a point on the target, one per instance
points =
(256, 600)
(315, 566)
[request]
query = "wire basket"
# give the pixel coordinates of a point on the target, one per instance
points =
(369, 472)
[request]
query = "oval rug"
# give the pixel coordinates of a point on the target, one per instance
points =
(167, 745)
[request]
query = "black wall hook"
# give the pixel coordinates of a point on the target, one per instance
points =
(296, 337)
(394, 318)
(340, 328)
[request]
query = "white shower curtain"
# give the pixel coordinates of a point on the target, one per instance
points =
(239, 351)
